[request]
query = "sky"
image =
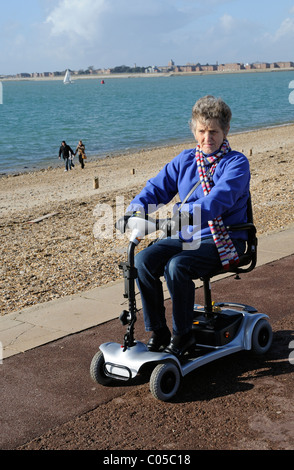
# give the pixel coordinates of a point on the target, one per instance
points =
(52, 35)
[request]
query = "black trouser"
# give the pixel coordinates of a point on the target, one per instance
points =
(81, 160)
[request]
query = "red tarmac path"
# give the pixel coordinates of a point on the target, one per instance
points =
(49, 386)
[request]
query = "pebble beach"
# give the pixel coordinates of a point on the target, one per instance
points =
(48, 223)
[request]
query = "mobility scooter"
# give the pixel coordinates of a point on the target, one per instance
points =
(220, 329)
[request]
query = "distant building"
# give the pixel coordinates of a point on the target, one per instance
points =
(23, 75)
(185, 68)
(230, 67)
(208, 68)
(152, 69)
(260, 65)
(282, 65)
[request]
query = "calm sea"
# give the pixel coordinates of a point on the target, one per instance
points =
(126, 114)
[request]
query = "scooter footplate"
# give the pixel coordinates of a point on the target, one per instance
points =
(124, 364)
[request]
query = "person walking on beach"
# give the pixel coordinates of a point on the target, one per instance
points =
(66, 151)
(82, 156)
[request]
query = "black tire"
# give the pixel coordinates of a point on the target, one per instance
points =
(262, 337)
(97, 370)
(165, 381)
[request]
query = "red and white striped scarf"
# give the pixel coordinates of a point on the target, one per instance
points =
(227, 252)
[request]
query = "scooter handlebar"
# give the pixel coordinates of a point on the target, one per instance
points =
(142, 225)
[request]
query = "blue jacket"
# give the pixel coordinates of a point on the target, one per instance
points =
(227, 198)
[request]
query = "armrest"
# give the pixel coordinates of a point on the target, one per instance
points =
(246, 226)
(251, 252)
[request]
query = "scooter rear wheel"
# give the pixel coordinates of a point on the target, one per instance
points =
(261, 337)
(165, 381)
(97, 370)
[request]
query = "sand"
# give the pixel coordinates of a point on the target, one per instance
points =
(57, 255)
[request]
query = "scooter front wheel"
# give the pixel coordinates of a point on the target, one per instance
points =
(165, 381)
(97, 370)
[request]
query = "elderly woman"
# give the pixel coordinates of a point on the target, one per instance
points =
(220, 199)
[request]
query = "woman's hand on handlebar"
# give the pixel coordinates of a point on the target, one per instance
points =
(121, 223)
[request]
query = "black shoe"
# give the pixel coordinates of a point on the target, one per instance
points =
(180, 344)
(159, 340)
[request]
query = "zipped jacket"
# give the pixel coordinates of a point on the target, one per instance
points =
(227, 198)
(65, 151)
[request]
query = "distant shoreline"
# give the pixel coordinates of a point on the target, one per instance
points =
(146, 75)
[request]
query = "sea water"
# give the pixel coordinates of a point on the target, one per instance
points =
(126, 114)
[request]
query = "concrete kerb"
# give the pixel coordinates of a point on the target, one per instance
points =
(34, 326)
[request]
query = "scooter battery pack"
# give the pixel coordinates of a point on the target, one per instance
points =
(218, 332)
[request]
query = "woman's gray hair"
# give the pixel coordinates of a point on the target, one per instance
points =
(208, 108)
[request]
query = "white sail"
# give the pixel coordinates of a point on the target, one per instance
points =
(67, 78)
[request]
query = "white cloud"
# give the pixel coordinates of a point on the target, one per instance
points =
(76, 17)
(114, 32)
(227, 23)
(285, 30)
(85, 18)
(227, 39)
(279, 41)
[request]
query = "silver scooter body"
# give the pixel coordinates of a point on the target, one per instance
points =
(126, 364)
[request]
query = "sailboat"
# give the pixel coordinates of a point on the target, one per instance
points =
(67, 79)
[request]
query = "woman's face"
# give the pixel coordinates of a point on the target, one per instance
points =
(209, 135)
